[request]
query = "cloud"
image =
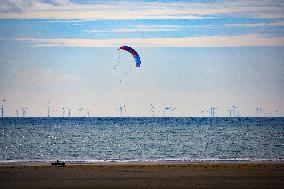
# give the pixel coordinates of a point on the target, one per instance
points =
(205, 41)
(65, 9)
(166, 28)
(272, 24)
(91, 11)
(141, 28)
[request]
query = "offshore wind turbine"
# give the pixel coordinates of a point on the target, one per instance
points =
(2, 108)
(63, 112)
(209, 111)
(276, 113)
(2, 111)
(212, 111)
(214, 108)
(233, 111)
(53, 112)
(165, 110)
(202, 113)
(230, 112)
(152, 110)
(120, 109)
(80, 110)
(168, 109)
(258, 111)
(125, 110)
(23, 111)
(173, 110)
(48, 109)
(88, 113)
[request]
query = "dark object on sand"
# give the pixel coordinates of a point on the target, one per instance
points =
(57, 163)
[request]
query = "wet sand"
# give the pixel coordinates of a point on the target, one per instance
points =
(144, 175)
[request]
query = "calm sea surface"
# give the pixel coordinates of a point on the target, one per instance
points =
(141, 139)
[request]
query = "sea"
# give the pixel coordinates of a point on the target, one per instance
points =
(130, 139)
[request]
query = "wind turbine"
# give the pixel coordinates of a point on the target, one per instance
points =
(212, 111)
(230, 112)
(80, 110)
(276, 113)
(2, 108)
(23, 111)
(48, 109)
(214, 108)
(53, 112)
(173, 110)
(120, 109)
(88, 113)
(125, 112)
(152, 110)
(259, 111)
(169, 109)
(63, 112)
(202, 113)
(165, 110)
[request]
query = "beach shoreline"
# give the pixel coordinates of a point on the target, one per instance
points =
(213, 174)
(135, 162)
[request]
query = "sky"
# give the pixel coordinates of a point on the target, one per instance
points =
(195, 55)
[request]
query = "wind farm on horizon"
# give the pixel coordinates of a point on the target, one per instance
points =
(122, 111)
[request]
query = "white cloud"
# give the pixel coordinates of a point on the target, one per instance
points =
(205, 41)
(99, 10)
(272, 24)
(164, 28)
(65, 9)
(142, 28)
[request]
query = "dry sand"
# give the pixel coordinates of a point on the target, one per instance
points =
(145, 175)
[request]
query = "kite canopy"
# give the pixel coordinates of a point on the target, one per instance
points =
(134, 53)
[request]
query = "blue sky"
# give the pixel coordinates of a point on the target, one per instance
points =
(195, 54)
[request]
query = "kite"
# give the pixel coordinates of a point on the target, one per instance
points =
(134, 53)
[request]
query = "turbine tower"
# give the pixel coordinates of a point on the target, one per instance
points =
(48, 109)
(120, 109)
(88, 113)
(212, 111)
(125, 112)
(152, 110)
(258, 112)
(63, 112)
(80, 110)
(230, 112)
(23, 111)
(2, 108)
(2, 111)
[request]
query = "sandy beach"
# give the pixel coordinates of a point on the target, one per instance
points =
(145, 175)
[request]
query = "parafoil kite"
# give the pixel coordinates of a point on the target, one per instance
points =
(134, 53)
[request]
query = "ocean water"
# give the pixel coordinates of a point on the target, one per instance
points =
(141, 139)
